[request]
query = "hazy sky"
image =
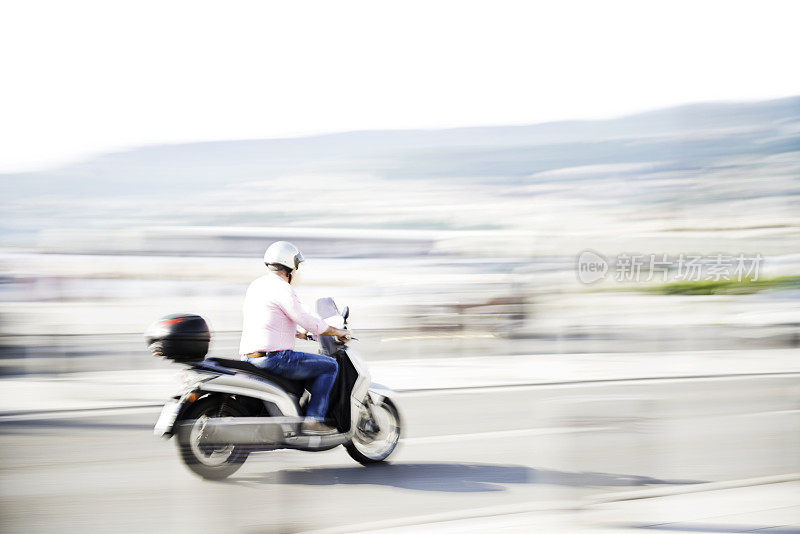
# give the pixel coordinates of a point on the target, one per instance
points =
(81, 77)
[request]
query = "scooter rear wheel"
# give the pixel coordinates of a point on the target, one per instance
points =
(210, 462)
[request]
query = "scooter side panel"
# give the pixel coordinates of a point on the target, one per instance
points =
(239, 384)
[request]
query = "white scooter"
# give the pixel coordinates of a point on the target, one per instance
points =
(231, 408)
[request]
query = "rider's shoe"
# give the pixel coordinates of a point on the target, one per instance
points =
(316, 428)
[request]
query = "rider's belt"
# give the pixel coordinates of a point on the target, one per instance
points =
(260, 354)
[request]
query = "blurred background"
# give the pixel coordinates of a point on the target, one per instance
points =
(459, 242)
(442, 169)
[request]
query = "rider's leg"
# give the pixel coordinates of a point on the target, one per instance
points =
(321, 393)
(320, 370)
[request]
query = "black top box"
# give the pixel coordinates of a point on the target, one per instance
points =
(181, 338)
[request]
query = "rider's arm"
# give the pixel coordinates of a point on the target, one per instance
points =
(343, 335)
(292, 306)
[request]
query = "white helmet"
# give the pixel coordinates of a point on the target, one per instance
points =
(283, 253)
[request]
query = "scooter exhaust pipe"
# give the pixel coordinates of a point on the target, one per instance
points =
(266, 431)
(248, 430)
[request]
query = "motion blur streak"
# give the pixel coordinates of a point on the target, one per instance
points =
(459, 253)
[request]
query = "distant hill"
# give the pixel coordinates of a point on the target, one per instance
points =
(425, 178)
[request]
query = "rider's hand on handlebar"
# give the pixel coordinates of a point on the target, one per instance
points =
(343, 335)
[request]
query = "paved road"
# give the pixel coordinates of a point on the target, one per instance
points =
(464, 450)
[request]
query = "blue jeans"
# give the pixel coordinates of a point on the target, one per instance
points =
(319, 370)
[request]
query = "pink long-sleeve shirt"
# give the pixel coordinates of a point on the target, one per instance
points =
(272, 312)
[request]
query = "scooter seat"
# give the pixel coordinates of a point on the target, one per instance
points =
(294, 387)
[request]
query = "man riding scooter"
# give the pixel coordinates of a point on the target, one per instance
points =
(272, 313)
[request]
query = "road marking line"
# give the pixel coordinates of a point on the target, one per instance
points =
(424, 392)
(523, 508)
(88, 412)
(773, 412)
(427, 519)
(432, 392)
(439, 336)
(693, 488)
(445, 438)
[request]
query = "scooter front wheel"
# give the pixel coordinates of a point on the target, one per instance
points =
(376, 438)
(212, 462)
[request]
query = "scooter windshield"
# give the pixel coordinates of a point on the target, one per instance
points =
(326, 308)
